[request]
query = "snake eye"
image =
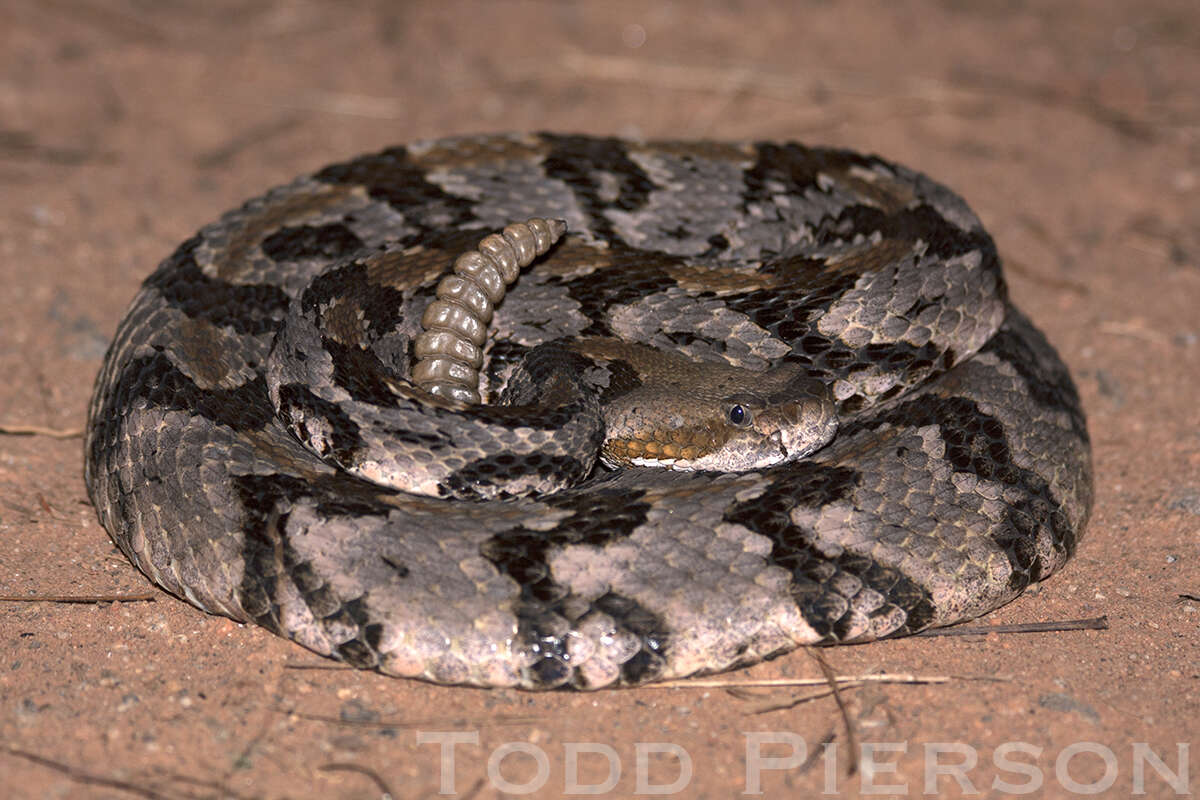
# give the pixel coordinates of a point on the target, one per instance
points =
(738, 415)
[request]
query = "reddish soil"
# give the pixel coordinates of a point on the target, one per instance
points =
(1073, 128)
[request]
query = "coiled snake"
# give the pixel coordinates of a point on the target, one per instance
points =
(720, 309)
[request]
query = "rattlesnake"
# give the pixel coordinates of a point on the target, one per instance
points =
(960, 471)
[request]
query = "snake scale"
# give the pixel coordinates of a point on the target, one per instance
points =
(236, 430)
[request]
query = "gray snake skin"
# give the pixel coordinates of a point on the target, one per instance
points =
(960, 471)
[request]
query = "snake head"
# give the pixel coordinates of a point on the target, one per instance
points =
(776, 426)
(724, 419)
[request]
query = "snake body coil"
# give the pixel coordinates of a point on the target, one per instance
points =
(261, 443)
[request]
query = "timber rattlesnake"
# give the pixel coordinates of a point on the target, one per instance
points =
(959, 474)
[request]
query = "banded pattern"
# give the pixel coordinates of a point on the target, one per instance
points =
(235, 434)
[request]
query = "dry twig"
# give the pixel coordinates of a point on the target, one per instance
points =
(38, 430)
(86, 778)
(882, 677)
(1091, 624)
(370, 773)
(851, 728)
(78, 598)
(497, 721)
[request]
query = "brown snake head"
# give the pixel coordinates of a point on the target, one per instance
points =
(665, 410)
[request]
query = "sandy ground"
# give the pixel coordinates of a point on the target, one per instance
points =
(1073, 128)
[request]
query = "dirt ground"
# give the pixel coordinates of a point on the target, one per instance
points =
(1073, 128)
